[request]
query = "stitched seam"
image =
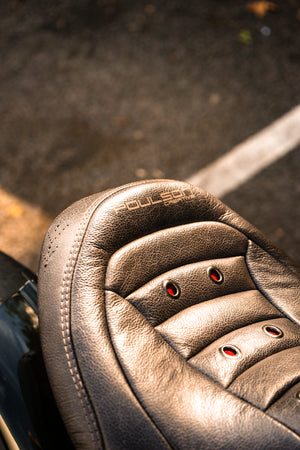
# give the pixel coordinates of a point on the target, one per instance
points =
(248, 402)
(65, 328)
(294, 269)
(243, 232)
(263, 359)
(236, 329)
(231, 331)
(260, 289)
(65, 314)
(204, 302)
(204, 261)
(128, 383)
(193, 261)
(282, 393)
(200, 303)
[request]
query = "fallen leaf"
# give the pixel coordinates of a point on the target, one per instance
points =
(14, 210)
(245, 37)
(260, 9)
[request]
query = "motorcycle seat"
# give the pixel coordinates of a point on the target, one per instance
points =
(168, 321)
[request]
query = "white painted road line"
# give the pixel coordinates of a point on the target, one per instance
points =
(249, 158)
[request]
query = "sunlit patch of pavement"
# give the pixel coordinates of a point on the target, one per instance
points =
(22, 227)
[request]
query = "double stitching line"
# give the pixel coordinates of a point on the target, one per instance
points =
(65, 314)
(65, 327)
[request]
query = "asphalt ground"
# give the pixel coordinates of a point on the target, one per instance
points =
(95, 94)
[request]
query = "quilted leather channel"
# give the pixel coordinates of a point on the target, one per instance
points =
(195, 286)
(207, 315)
(144, 259)
(287, 408)
(254, 346)
(283, 366)
(194, 328)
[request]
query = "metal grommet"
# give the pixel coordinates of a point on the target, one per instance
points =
(273, 331)
(230, 351)
(215, 275)
(298, 396)
(171, 288)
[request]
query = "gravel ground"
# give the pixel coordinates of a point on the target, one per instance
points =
(94, 94)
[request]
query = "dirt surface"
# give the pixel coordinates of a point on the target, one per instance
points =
(95, 94)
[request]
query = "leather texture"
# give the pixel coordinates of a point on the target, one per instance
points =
(168, 321)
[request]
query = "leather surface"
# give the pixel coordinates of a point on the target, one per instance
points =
(132, 366)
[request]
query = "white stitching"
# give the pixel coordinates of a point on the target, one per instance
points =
(65, 328)
(65, 311)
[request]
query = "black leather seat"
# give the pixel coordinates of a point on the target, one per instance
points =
(168, 321)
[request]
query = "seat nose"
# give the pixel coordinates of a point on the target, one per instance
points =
(168, 321)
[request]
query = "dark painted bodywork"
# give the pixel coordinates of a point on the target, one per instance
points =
(28, 415)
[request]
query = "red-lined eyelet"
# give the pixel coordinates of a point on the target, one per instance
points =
(230, 351)
(273, 331)
(215, 275)
(171, 288)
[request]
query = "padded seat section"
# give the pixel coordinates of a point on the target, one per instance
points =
(282, 367)
(287, 408)
(170, 248)
(139, 296)
(175, 384)
(195, 286)
(196, 327)
(281, 284)
(254, 345)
